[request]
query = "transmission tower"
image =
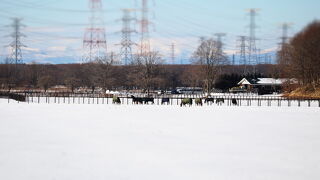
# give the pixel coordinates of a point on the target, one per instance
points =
(16, 54)
(253, 60)
(144, 28)
(267, 58)
(219, 41)
(242, 45)
(285, 27)
(233, 59)
(94, 42)
(259, 56)
(173, 56)
(126, 42)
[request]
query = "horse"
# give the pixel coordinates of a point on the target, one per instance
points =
(186, 101)
(147, 100)
(198, 102)
(136, 100)
(234, 102)
(17, 97)
(116, 100)
(207, 100)
(220, 101)
(165, 100)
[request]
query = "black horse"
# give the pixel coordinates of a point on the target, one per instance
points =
(137, 100)
(207, 100)
(165, 100)
(220, 101)
(234, 102)
(147, 100)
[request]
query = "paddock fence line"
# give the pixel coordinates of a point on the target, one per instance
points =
(125, 98)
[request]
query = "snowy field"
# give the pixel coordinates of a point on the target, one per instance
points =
(110, 142)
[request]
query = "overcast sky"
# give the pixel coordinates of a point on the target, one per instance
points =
(55, 28)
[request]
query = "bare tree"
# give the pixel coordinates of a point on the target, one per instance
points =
(45, 82)
(210, 58)
(105, 73)
(33, 73)
(192, 77)
(72, 83)
(148, 68)
(300, 58)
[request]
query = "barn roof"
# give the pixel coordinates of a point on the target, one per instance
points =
(244, 81)
(271, 81)
(262, 81)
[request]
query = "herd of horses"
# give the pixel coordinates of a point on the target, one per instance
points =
(199, 101)
(184, 102)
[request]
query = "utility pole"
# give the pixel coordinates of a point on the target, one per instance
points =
(16, 54)
(253, 60)
(173, 53)
(126, 42)
(95, 41)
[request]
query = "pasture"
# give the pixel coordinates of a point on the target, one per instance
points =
(100, 141)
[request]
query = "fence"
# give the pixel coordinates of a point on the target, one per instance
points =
(241, 100)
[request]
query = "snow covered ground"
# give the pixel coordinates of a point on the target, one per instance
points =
(102, 142)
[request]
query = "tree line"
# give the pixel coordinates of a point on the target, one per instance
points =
(300, 58)
(93, 75)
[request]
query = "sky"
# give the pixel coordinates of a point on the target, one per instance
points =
(54, 29)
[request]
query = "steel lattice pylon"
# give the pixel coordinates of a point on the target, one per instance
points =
(253, 57)
(242, 45)
(126, 42)
(144, 23)
(16, 54)
(95, 41)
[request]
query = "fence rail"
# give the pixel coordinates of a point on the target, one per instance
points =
(89, 98)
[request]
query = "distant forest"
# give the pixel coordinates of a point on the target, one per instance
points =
(114, 77)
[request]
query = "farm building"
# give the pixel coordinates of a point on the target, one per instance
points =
(262, 85)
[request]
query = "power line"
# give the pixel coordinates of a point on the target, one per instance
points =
(47, 8)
